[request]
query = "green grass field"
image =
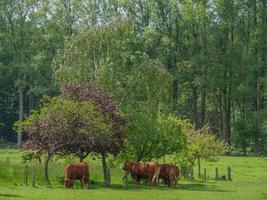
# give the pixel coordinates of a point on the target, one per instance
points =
(249, 182)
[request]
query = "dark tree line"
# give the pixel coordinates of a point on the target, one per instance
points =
(210, 58)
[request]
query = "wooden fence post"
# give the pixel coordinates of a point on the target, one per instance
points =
(229, 176)
(216, 173)
(26, 173)
(34, 174)
(192, 173)
(205, 174)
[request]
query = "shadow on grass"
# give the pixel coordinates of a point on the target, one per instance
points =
(195, 186)
(10, 195)
(264, 195)
(200, 187)
(187, 187)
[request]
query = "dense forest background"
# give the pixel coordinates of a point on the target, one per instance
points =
(203, 60)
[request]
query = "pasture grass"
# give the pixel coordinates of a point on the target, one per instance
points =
(249, 182)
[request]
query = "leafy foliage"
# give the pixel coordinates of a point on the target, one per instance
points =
(243, 130)
(150, 137)
(61, 123)
(80, 121)
(202, 144)
(202, 60)
(110, 140)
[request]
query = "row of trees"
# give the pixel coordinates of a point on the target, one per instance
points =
(200, 60)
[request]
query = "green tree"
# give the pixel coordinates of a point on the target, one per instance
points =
(60, 124)
(243, 130)
(67, 125)
(202, 144)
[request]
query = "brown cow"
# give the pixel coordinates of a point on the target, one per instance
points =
(76, 171)
(169, 173)
(149, 171)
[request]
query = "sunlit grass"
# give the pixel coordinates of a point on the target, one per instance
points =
(249, 176)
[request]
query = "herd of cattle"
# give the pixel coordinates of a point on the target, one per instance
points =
(149, 171)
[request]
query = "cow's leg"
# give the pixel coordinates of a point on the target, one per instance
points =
(156, 176)
(125, 177)
(175, 180)
(151, 180)
(87, 181)
(169, 181)
(136, 178)
(154, 180)
(164, 180)
(82, 182)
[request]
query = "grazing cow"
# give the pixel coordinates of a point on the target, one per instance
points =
(169, 173)
(76, 171)
(149, 171)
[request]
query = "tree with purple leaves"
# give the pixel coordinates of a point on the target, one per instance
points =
(80, 121)
(110, 142)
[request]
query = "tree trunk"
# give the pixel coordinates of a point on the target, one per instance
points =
(220, 115)
(203, 107)
(26, 174)
(192, 173)
(105, 170)
(226, 117)
(81, 159)
(30, 102)
(199, 167)
(175, 91)
(194, 106)
(34, 174)
(228, 122)
(46, 170)
(81, 156)
(20, 91)
(256, 100)
(244, 148)
(257, 132)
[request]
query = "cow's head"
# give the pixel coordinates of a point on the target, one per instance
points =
(68, 183)
(127, 165)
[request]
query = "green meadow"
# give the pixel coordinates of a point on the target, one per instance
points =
(249, 182)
